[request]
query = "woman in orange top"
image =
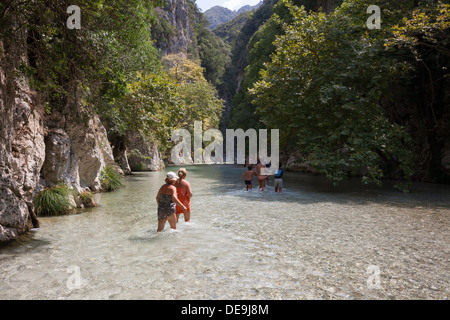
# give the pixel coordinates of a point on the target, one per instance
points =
(184, 194)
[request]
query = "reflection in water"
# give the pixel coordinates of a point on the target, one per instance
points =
(313, 241)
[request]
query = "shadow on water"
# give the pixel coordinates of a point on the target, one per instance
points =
(25, 243)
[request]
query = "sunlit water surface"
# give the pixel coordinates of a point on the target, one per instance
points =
(313, 241)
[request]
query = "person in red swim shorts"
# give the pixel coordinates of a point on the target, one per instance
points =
(184, 194)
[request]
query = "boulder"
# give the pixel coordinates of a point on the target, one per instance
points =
(61, 163)
(92, 149)
(143, 155)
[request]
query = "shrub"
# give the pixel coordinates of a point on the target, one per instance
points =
(111, 179)
(87, 198)
(53, 201)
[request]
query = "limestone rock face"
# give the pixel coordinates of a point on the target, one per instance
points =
(22, 147)
(37, 150)
(61, 164)
(92, 149)
(176, 13)
(143, 155)
(120, 153)
(77, 154)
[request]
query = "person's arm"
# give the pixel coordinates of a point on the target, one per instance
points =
(157, 197)
(189, 190)
(242, 176)
(175, 199)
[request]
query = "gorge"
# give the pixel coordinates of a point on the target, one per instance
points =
(74, 102)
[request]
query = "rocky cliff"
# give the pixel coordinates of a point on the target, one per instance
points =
(38, 150)
(173, 33)
(22, 148)
(76, 153)
(178, 31)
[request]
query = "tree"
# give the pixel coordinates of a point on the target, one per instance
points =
(199, 96)
(90, 65)
(323, 88)
(152, 108)
(423, 35)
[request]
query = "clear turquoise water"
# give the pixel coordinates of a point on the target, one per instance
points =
(313, 241)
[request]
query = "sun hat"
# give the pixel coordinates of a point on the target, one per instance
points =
(172, 175)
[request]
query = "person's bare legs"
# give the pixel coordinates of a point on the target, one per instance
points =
(161, 224)
(187, 217)
(178, 216)
(172, 221)
(262, 184)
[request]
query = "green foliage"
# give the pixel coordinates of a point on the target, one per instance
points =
(214, 54)
(239, 51)
(259, 49)
(200, 98)
(111, 67)
(162, 31)
(330, 75)
(111, 179)
(323, 88)
(113, 44)
(423, 36)
(53, 201)
(218, 15)
(230, 30)
(87, 198)
(152, 106)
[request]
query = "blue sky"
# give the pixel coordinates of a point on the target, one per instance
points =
(230, 4)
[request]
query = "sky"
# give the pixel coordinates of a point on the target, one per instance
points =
(230, 4)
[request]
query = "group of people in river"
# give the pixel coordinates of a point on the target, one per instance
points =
(174, 197)
(262, 179)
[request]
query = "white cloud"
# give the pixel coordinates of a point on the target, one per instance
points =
(237, 4)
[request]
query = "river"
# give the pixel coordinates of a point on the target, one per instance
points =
(313, 241)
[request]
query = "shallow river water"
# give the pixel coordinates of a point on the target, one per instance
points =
(313, 241)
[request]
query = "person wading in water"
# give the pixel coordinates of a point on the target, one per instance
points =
(167, 200)
(261, 178)
(184, 194)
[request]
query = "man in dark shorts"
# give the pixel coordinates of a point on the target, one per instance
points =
(248, 175)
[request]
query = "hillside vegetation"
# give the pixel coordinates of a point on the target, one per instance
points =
(218, 15)
(350, 100)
